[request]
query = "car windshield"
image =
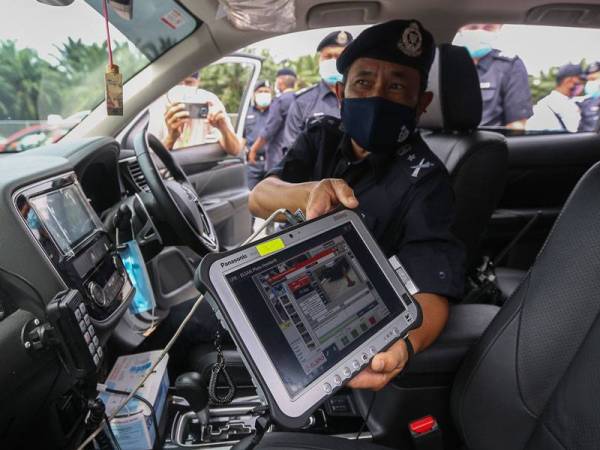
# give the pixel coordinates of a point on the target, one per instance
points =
(53, 60)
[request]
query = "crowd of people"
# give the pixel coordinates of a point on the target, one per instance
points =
(279, 113)
(572, 106)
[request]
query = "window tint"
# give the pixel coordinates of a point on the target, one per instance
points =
(537, 79)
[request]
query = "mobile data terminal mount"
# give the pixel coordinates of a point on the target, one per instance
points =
(308, 308)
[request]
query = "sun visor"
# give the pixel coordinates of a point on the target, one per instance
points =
(278, 16)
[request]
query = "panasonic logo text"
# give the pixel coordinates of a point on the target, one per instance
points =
(233, 261)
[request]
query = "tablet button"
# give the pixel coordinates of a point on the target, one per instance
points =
(337, 380)
(327, 388)
(347, 372)
(372, 351)
(364, 357)
(396, 331)
(355, 365)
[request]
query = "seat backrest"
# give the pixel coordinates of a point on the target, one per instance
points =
(533, 380)
(476, 160)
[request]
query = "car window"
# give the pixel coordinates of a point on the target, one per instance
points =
(536, 79)
(53, 61)
(219, 88)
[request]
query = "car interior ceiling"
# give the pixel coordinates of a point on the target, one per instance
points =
(489, 372)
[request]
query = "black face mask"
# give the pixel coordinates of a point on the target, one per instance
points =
(376, 124)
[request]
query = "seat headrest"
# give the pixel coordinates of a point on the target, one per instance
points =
(453, 79)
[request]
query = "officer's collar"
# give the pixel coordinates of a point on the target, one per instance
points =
(485, 62)
(324, 89)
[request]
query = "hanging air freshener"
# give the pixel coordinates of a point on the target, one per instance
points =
(113, 79)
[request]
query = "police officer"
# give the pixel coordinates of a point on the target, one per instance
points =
(320, 99)
(374, 160)
(503, 78)
(271, 134)
(590, 106)
(256, 120)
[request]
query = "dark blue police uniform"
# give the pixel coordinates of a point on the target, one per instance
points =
(256, 121)
(504, 89)
(405, 197)
(273, 130)
(590, 113)
(312, 102)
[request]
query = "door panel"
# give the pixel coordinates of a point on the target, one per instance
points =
(543, 170)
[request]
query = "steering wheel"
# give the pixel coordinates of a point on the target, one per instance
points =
(177, 200)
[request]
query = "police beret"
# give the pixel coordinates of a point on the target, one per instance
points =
(403, 42)
(335, 39)
(593, 68)
(569, 70)
(261, 83)
(286, 71)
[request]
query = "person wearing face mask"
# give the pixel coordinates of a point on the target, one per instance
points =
(320, 99)
(271, 135)
(590, 106)
(256, 120)
(374, 160)
(558, 110)
(503, 78)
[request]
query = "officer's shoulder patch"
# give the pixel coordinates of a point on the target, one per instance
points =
(417, 162)
(305, 90)
(322, 120)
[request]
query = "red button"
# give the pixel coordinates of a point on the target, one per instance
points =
(422, 425)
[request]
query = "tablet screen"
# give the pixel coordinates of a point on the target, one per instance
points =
(314, 303)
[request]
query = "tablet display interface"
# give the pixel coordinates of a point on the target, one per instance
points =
(314, 303)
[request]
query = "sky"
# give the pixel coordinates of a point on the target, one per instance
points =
(32, 24)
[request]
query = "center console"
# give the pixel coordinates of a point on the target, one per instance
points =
(70, 234)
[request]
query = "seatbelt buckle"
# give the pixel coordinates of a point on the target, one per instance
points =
(426, 434)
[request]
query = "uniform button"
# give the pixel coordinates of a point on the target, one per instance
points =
(327, 388)
(355, 365)
(347, 372)
(337, 380)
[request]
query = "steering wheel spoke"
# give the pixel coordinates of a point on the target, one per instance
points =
(176, 197)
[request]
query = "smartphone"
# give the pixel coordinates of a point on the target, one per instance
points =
(197, 110)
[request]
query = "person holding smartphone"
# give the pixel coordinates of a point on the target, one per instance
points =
(188, 116)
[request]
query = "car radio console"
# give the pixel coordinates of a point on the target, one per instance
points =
(308, 308)
(70, 234)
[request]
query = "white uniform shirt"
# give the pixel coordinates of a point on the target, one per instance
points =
(556, 111)
(195, 131)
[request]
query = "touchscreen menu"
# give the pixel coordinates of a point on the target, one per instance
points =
(315, 303)
(65, 216)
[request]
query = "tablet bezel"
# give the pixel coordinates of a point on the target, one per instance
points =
(296, 409)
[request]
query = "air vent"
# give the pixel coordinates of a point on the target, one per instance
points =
(137, 176)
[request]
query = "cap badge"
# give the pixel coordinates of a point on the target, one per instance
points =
(342, 38)
(411, 43)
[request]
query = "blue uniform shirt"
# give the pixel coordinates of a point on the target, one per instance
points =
(315, 101)
(590, 113)
(256, 121)
(405, 198)
(274, 127)
(504, 89)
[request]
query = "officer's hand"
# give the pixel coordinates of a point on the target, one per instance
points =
(252, 157)
(176, 115)
(383, 368)
(328, 194)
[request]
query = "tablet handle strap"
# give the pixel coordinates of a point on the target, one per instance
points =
(220, 369)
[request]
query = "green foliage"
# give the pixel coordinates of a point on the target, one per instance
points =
(31, 88)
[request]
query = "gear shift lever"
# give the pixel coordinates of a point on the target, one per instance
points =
(192, 387)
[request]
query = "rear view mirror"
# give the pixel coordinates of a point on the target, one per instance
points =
(56, 2)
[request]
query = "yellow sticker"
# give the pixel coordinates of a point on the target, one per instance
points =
(270, 246)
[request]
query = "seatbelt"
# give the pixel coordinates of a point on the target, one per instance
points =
(516, 239)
